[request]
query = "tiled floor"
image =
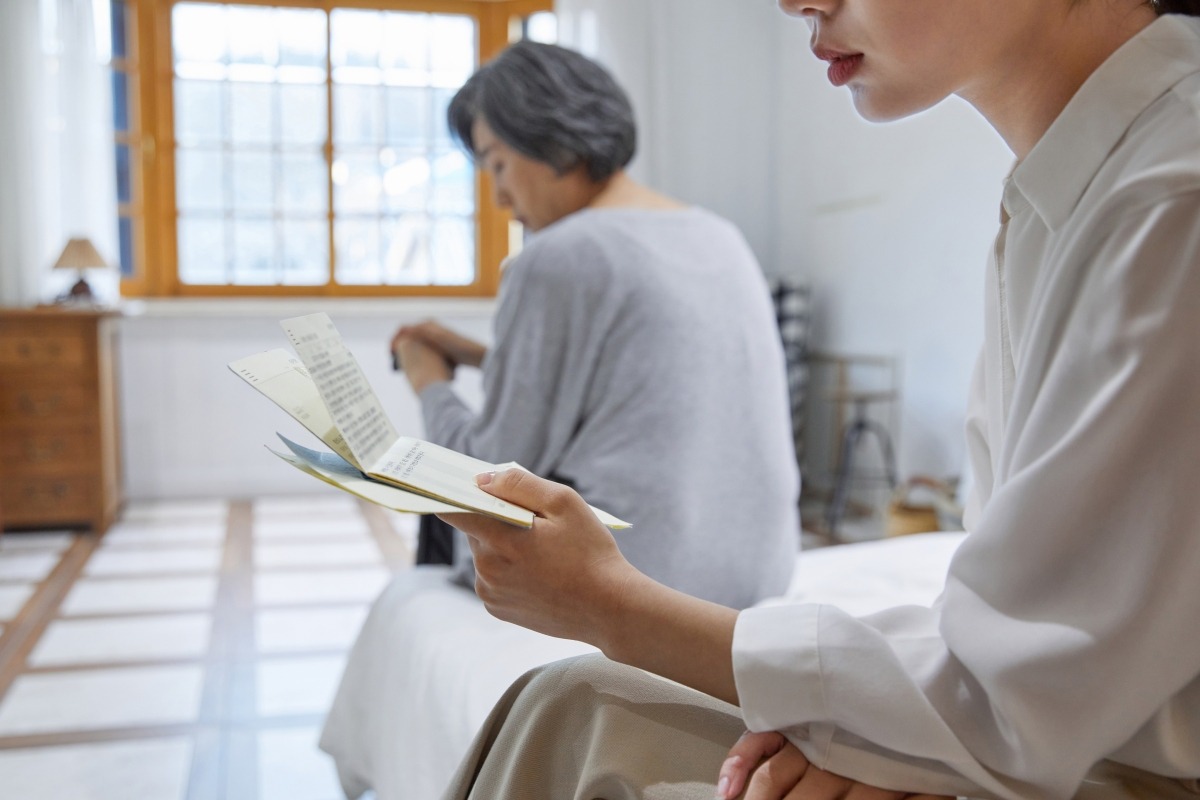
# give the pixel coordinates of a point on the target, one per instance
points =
(190, 653)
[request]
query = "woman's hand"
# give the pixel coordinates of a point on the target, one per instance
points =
(769, 767)
(563, 577)
(454, 347)
(421, 363)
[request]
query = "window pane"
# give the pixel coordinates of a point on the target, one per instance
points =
(199, 180)
(357, 115)
(453, 248)
(453, 184)
(199, 33)
(406, 43)
(305, 252)
(253, 182)
(252, 36)
(441, 129)
(408, 117)
(406, 251)
(202, 250)
(199, 112)
(302, 115)
(304, 182)
(355, 38)
(123, 184)
(357, 251)
(125, 238)
(406, 183)
(357, 183)
(120, 102)
(452, 49)
(250, 113)
(254, 252)
(117, 18)
(301, 38)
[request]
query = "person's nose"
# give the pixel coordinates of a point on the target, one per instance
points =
(500, 196)
(807, 8)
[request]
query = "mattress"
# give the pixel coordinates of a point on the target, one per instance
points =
(430, 662)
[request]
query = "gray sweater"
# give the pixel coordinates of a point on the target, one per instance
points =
(636, 357)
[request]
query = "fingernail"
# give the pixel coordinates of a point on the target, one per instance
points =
(722, 787)
(484, 478)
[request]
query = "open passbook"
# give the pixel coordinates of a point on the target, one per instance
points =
(326, 391)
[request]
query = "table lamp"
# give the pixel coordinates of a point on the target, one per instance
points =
(79, 254)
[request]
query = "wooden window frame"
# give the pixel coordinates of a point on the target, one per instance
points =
(152, 168)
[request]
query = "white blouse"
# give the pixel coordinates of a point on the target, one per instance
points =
(1069, 629)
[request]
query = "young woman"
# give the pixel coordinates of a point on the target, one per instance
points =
(1062, 658)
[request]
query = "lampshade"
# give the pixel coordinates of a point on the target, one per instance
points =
(80, 253)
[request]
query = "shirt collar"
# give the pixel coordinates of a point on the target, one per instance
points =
(1056, 172)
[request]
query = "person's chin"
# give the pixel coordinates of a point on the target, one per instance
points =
(877, 106)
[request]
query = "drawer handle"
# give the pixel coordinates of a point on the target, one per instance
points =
(55, 491)
(47, 405)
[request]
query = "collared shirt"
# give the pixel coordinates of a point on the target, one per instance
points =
(1067, 634)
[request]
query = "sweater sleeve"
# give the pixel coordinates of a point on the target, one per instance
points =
(533, 376)
(1047, 651)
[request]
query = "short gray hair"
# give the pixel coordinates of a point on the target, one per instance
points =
(552, 105)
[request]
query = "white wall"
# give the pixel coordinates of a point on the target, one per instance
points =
(193, 429)
(700, 74)
(891, 224)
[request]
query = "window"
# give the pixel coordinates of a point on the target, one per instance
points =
(296, 147)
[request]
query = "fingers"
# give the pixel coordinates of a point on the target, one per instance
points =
(543, 497)
(861, 791)
(744, 756)
(425, 332)
(778, 775)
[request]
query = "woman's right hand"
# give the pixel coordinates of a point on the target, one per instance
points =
(456, 348)
(769, 767)
(562, 577)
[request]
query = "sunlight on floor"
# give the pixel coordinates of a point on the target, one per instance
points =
(191, 652)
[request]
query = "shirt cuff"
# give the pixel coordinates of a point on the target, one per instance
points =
(777, 667)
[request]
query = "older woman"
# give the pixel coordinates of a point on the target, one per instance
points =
(636, 357)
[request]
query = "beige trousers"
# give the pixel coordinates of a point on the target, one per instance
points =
(590, 729)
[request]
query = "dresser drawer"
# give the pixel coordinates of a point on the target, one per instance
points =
(30, 500)
(47, 449)
(40, 401)
(59, 437)
(49, 351)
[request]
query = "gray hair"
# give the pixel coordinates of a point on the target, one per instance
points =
(552, 105)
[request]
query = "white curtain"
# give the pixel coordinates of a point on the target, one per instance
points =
(57, 172)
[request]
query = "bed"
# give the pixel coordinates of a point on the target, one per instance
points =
(430, 662)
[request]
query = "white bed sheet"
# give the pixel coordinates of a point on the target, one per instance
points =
(430, 662)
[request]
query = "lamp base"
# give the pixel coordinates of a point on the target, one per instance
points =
(79, 293)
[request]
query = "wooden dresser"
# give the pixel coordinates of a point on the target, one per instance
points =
(59, 445)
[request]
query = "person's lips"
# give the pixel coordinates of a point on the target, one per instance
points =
(843, 64)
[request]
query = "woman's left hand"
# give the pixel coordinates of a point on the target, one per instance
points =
(422, 364)
(562, 577)
(769, 767)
